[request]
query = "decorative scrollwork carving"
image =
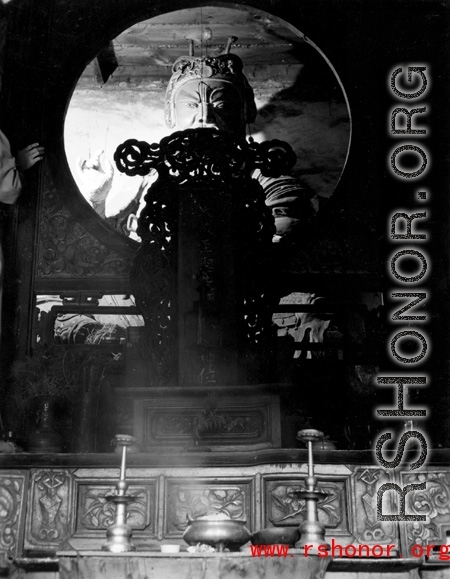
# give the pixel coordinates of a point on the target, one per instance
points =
(66, 249)
(154, 279)
(97, 512)
(50, 519)
(197, 502)
(204, 198)
(11, 499)
(367, 528)
(135, 157)
(434, 502)
(273, 158)
(50, 504)
(285, 508)
(177, 424)
(204, 155)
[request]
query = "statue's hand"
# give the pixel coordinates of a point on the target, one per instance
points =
(96, 176)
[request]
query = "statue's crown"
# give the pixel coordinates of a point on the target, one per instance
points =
(226, 67)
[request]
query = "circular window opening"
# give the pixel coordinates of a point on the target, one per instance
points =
(121, 95)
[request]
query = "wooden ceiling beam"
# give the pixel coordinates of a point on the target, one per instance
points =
(105, 63)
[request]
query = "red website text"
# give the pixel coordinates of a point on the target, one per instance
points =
(350, 551)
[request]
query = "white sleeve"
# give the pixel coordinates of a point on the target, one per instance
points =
(10, 180)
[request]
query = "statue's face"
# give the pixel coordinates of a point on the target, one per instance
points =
(209, 103)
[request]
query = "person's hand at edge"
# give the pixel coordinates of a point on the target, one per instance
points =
(29, 156)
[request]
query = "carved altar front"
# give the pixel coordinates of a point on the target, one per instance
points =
(208, 566)
(66, 507)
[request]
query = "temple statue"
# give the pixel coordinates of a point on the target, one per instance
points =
(213, 92)
(203, 276)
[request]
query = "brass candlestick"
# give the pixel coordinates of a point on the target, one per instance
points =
(311, 531)
(118, 535)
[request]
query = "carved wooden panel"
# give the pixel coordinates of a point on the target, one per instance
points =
(64, 505)
(13, 487)
(206, 240)
(246, 419)
(195, 498)
(67, 250)
(433, 503)
(124, 411)
(368, 529)
(50, 516)
(95, 513)
(284, 508)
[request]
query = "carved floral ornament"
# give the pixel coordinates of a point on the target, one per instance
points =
(99, 513)
(287, 509)
(11, 496)
(373, 530)
(197, 502)
(434, 503)
(67, 249)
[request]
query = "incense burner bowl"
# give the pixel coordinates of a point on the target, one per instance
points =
(218, 532)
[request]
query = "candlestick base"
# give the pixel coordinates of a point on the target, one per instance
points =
(118, 535)
(312, 532)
